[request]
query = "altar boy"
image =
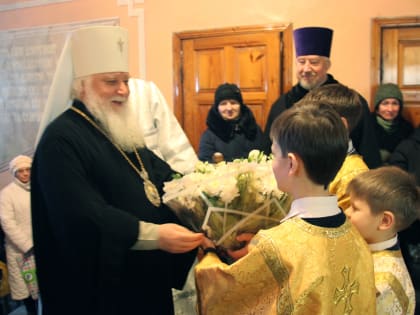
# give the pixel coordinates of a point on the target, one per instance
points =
(385, 201)
(315, 261)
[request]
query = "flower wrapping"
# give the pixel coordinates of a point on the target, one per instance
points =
(228, 198)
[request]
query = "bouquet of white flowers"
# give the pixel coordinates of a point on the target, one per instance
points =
(228, 198)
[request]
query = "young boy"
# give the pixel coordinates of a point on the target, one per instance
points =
(385, 201)
(315, 261)
(347, 103)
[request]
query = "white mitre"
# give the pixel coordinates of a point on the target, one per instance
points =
(88, 50)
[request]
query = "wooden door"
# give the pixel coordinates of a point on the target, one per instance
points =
(254, 58)
(397, 48)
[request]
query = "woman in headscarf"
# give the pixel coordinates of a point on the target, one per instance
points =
(232, 130)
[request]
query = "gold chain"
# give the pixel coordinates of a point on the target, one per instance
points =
(150, 189)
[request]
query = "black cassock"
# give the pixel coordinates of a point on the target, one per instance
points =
(86, 204)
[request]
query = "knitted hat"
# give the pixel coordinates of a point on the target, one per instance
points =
(313, 41)
(21, 161)
(388, 90)
(227, 91)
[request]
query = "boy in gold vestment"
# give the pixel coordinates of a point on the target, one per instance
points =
(385, 201)
(348, 105)
(315, 261)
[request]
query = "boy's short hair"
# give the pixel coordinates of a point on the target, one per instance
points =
(389, 188)
(315, 132)
(345, 101)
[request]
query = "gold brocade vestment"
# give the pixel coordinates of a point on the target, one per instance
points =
(352, 166)
(293, 268)
(396, 293)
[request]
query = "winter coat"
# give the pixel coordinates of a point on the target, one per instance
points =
(15, 218)
(388, 140)
(407, 154)
(234, 139)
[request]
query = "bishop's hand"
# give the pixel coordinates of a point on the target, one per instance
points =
(177, 239)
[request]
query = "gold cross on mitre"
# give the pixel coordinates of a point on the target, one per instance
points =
(121, 45)
(346, 292)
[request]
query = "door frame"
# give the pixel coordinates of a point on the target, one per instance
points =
(378, 24)
(286, 55)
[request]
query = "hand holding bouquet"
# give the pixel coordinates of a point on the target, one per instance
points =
(228, 198)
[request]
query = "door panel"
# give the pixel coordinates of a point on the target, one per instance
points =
(250, 58)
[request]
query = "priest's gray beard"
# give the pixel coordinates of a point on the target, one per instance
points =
(120, 123)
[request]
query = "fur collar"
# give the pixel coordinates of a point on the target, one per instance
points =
(226, 130)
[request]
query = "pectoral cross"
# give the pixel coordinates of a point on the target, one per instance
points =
(346, 292)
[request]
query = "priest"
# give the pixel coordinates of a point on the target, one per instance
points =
(313, 47)
(104, 242)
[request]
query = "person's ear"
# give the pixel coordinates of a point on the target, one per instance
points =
(344, 120)
(328, 63)
(387, 221)
(294, 163)
(82, 89)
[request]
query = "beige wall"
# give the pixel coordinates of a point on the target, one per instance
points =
(351, 21)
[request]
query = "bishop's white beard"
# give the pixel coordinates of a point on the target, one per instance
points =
(121, 124)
